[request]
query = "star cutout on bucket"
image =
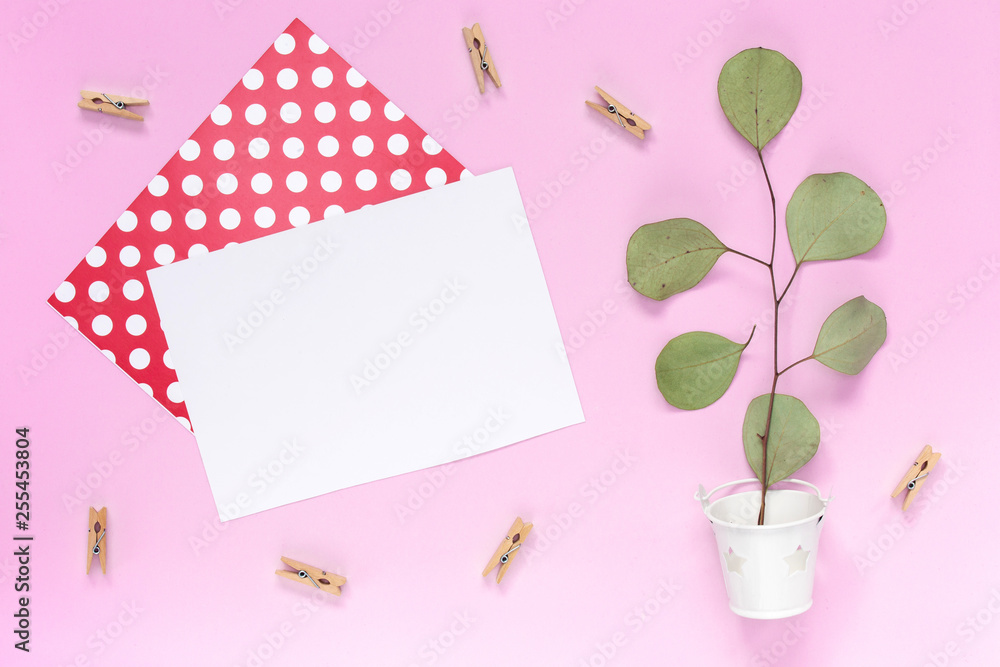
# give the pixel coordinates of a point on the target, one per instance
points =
(734, 563)
(797, 561)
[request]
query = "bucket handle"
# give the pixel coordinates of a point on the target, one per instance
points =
(703, 497)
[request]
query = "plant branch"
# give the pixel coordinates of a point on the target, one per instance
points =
(750, 257)
(785, 291)
(774, 383)
(787, 368)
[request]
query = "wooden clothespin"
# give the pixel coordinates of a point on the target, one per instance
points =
(97, 543)
(309, 575)
(508, 548)
(482, 61)
(621, 114)
(917, 475)
(111, 104)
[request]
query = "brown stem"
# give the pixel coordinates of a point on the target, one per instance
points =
(774, 383)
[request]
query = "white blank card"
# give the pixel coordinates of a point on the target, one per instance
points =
(394, 338)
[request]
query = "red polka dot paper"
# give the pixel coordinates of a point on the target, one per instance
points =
(302, 137)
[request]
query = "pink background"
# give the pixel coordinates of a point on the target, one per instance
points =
(609, 538)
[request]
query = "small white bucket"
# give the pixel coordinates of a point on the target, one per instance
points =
(768, 569)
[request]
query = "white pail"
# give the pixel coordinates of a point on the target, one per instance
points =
(768, 569)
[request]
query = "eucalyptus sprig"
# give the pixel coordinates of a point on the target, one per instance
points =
(829, 217)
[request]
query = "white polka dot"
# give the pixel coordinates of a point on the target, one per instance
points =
(158, 186)
(366, 179)
(164, 254)
(253, 79)
(96, 257)
(196, 250)
(232, 244)
(133, 290)
(355, 79)
(72, 322)
(400, 179)
(256, 114)
(135, 325)
(139, 358)
(264, 217)
(261, 183)
(398, 144)
(229, 218)
(174, 392)
(436, 177)
(392, 112)
(430, 146)
(259, 148)
(287, 78)
(183, 421)
(296, 181)
(224, 149)
(127, 221)
(298, 216)
(227, 184)
(284, 45)
(333, 210)
(222, 114)
(465, 174)
(363, 146)
(290, 112)
(322, 77)
(168, 360)
(317, 45)
(293, 147)
(192, 185)
(65, 292)
(325, 112)
(111, 355)
(360, 110)
(146, 388)
(160, 220)
(129, 255)
(190, 150)
(328, 146)
(331, 181)
(195, 218)
(102, 325)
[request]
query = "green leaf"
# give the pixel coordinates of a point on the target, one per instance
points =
(671, 256)
(793, 441)
(833, 216)
(695, 369)
(851, 336)
(759, 90)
